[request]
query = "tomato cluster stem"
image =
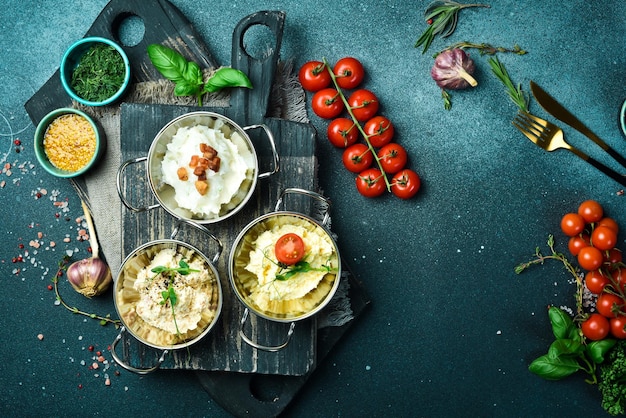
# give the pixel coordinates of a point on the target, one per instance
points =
(356, 123)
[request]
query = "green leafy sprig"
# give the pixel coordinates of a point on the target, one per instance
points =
(188, 76)
(442, 17)
(62, 267)
(100, 73)
(170, 293)
(300, 267)
(485, 48)
(515, 92)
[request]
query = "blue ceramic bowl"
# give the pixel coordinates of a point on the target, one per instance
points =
(71, 59)
(40, 133)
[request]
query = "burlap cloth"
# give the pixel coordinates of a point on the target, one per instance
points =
(98, 187)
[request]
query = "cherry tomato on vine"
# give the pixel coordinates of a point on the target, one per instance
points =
(604, 238)
(591, 211)
(371, 182)
(609, 304)
(613, 256)
(596, 327)
(342, 132)
(357, 157)
(327, 104)
(610, 222)
(314, 76)
(392, 157)
(619, 277)
(289, 249)
(617, 327)
(349, 72)
(405, 184)
(379, 131)
(572, 224)
(576, 243)
(364, 104)
(596, 281)
(590, 258)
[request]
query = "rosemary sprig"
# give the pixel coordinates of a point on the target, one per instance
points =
(104, 320)
(515, 92)
(485, 49)
(442, 17)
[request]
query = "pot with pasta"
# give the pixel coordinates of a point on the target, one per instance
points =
(168, 295)
(284, 267)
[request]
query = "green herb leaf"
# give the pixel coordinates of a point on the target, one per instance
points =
(515, 92)
(566, 347)
(227, 77)
(168, 62)
(597, 350)
(562, 324)
(554, 368)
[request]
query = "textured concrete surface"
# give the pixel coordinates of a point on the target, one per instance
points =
(452, 329)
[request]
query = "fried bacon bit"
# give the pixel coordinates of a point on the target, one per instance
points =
(182, 174)
(202, 186)
(194, 161)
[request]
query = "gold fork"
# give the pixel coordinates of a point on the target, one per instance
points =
(550, 137)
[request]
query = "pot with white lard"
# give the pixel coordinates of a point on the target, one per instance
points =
(201, 167)
(284, 266)
(168, 295)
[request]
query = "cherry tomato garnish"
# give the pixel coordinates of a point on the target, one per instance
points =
(349, 73)
(314, 76)
(342, 132)
(379, 131)
(393, 157)
(405, 184)
(357, 157)
(371, 182)
(591, 211)
(289, 249)
(364, 104)
(327, 104)
(596, 327)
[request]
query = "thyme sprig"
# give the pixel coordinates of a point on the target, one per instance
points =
(442, 17)
(485, 48)
(515, 92)
(62, 267)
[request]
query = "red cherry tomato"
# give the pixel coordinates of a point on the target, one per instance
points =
(393, 157)
(349, 73)
(590, 258)
(604, 238)
(364, 104)
(610, 222)
(371, 182)
(572, 224)
(613, 256)
(342, 132)
(357, 157)
(596, 327)
(405, 184)
(617, 327)
(591, 211)
(596, 281)
(609, 305)
(576, 243)
(289, 249)
(619, 278)
(327, 104)
(379, 131)
(314, 76)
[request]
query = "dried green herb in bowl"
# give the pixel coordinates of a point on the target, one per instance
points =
(95, 71)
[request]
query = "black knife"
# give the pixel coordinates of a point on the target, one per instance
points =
(550, 105)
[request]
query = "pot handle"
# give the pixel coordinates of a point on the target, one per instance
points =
(270, 137)
(203, 229)
(128, 367)
(120, 192)
(269, 348)
(316, 196)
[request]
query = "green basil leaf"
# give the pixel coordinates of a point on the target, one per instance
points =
(158, 269)
(553, 368)
(193, 73)
(562, 324)
(186, 88)
(183, 264)
(168, 62)
(227, 77)
(172, 296)
(565, 347)
(598, 349)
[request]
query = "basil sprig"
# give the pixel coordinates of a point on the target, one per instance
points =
(569, 353)
(188, 77)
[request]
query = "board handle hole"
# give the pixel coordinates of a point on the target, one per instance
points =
(259, 42)
(130, 30)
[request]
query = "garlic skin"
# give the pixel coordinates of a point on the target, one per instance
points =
(90, 276)
(453, 70)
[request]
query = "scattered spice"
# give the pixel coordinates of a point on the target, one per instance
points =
(100, 73)
(70, 142)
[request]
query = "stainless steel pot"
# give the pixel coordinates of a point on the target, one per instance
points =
(246, 284)
(126, 297)
(164, 193)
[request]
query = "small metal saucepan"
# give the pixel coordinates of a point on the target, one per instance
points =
(165, 194)
(131, 304)
(276, 299)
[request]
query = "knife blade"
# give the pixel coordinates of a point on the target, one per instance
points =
(556, 109)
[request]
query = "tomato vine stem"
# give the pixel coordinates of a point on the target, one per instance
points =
(357, 124)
